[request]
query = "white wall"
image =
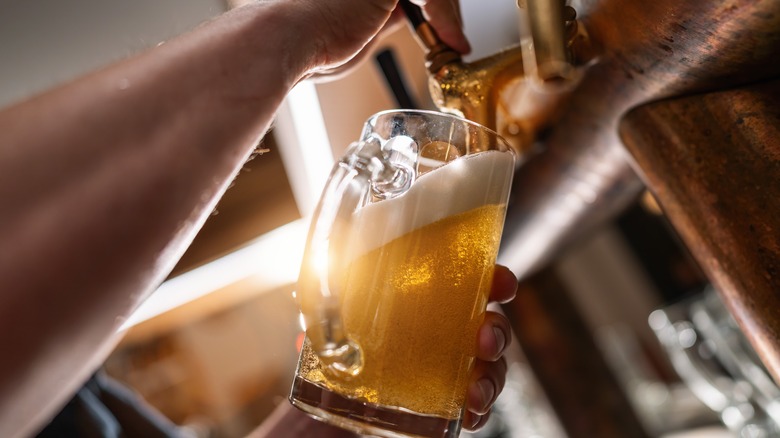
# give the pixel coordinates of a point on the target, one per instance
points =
(43, 43)
(490, 25)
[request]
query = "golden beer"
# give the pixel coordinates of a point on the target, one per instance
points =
(414, 305)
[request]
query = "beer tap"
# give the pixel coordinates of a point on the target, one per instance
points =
(516, 91)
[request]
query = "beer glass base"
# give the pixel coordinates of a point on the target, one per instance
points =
(366, 418)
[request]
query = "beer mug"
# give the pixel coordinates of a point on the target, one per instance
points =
(396, 274)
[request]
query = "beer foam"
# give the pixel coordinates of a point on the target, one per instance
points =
(456, 187)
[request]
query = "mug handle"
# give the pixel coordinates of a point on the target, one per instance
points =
(364, 171)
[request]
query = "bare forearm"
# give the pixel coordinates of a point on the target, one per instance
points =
(105, 181)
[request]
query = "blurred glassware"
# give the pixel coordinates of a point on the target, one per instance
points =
(712, 356)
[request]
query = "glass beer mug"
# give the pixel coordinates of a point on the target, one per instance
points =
(396, 274)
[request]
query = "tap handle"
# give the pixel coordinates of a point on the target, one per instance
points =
(437, 53)
(413, 13)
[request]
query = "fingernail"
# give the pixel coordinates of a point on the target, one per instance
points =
(488, 390)
(474, 421)
(500, 339)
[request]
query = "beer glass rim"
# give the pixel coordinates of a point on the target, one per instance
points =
(506, 146)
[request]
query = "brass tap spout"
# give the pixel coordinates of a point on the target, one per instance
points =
(494, 91)
(472, 90)
(547, 20)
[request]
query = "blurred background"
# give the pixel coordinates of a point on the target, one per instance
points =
(623, 317)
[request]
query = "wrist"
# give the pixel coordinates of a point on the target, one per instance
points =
(283, 40)
(318, 35)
